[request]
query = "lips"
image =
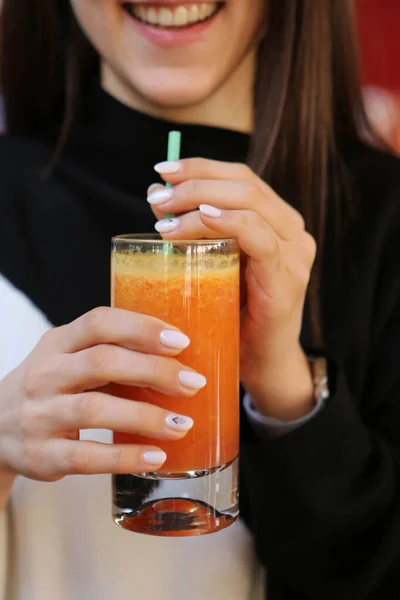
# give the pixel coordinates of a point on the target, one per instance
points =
(173, 17)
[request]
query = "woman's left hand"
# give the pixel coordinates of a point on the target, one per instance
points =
(216, 199)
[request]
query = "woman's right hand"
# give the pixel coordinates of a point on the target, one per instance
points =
(62, 387)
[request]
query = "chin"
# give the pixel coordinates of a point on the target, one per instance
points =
(176, 97)
(174, 92)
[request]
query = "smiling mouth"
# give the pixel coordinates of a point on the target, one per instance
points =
(173, 17)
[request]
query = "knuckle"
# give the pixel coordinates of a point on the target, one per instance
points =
(310, 246)
(165, 375)
(87, 460)
(151, 419)
(243, 170)
(80, 460)
(196, 164)
(190, 188)
(34, 456)
(38, 462)
(250, 221)
(157, 368)
(94, 320)
(99, 358)
(294, 217)
(74, 462)
(140, 412)
(117, 458)
(48, 338)
(144, 327)
(35, 379)
(27, 421)
(87, 406)
(303, 278)
(249, 190)
(298, 220)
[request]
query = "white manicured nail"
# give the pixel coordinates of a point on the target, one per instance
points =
(159, 197)
(166, 225)
(154, 187)
(174, 339)
(179, 423)
(210, 211)
(192, 380)
(172, 166)
(154, 457)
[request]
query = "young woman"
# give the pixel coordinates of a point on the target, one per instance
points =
(91, 89)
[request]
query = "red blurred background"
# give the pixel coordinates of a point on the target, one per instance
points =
(379, 27)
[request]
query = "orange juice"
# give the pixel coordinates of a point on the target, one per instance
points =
(199, 295)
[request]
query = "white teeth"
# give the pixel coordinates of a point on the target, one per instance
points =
(165, 17)
(141, 12)
(205, 11)
(194, 13)
(150, 15)
(211, 10)
(179, 16)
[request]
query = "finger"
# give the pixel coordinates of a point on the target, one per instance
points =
(227, 195)
(100, 365)
(106, 325)
(67, 457)
(96, 410)
(201, 168)
(255, 237)
(185, 227)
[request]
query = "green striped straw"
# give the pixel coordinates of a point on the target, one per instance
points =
(174, 153)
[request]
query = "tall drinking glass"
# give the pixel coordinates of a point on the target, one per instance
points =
(193, 285)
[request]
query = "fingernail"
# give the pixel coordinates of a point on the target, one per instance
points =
(192, 380)
(174, 339)
(154, 457)
(172, 166)
(154, 187)
(166, 225)
(159, 197)
(210, 211)
(179, 423)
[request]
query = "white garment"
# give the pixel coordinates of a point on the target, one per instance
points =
(63, 544)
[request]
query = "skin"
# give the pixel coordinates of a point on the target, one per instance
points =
(279, 255)
(186, 85)
(62, 385)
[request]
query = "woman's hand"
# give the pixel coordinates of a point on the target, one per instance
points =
(61, 388)
(215, 199)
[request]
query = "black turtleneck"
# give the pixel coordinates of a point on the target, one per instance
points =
(322, 502)
(98, 189)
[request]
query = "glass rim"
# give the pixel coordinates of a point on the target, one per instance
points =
(154, 238)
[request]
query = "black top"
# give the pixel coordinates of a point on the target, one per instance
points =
(322, 502)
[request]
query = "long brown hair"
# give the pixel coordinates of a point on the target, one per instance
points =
(307, 93)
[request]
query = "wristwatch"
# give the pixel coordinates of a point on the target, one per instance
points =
(319, 372)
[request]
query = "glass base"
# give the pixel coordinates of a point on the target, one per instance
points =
(177, 504)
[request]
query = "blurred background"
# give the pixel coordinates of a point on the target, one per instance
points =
(379, 35)
(379, 32)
